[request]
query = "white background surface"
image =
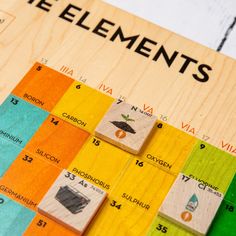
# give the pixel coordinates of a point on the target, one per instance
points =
(204, 21)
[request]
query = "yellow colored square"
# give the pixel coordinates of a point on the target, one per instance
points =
(100, 163)
(82, 106)
(123, 215)
(168, 148)
(143, 185)
(120, 219)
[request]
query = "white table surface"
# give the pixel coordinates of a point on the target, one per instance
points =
(204, 21)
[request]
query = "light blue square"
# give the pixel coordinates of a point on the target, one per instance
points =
(14, 217)
(19, 120)
(8, 153)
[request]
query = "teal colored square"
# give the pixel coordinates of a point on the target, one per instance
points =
(224, 223)
(8, 153)
(19, 120)
(14, 218)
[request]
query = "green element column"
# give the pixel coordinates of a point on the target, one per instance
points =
(225, 221)
(231, 192)
(211, 166)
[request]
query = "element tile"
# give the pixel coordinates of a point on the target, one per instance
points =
(72, 201)
(191, 204)
(126, 126)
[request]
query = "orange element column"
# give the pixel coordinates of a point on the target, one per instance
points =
(28, 179)
(57, 141)
(42, 86)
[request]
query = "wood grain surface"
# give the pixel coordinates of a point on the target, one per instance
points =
(98, 58)
(205, 22)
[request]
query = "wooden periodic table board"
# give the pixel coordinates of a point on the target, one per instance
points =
(87, 54)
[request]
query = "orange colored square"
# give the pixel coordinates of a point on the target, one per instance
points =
(41, 225)
(57, 141)
(28, 179)
(42, 86)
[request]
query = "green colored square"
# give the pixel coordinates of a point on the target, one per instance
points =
(162, 226)
(225, 221)
(211, 166)
(231, 192)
